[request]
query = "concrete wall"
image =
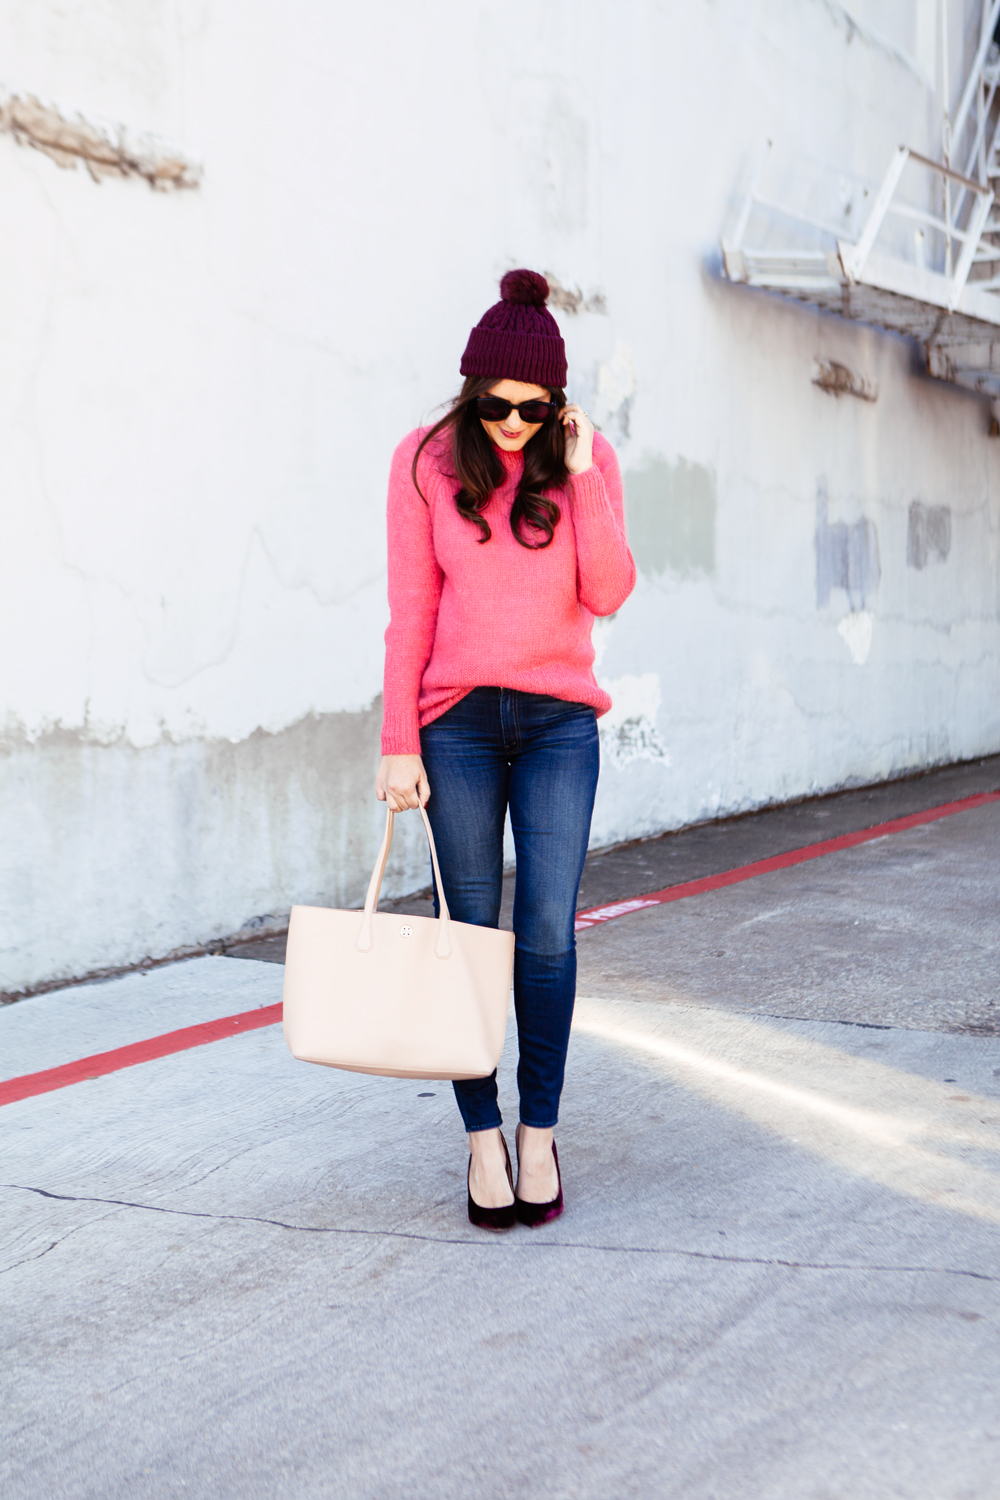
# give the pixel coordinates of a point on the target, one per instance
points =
(200, 390)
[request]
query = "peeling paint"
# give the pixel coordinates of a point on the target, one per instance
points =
(628, 731)
(572, 299)
(928, 534)
(671, 517)
(838, 380)
(70, 142)
(847, 557)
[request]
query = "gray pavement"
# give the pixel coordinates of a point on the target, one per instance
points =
(226, 1273)
(902, 931)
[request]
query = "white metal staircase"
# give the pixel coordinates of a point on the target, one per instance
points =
(927, 259)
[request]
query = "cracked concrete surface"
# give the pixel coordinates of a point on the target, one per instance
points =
(550, 1243)
(238, 1275)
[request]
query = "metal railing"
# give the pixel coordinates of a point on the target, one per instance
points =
(854, 257)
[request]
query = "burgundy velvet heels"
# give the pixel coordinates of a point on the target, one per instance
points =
(537, 1214)
(494, 1218)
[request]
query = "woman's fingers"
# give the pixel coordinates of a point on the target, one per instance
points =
(579, 438)
(575, 420)
(402, 783)
(405, 797)
(394, 797)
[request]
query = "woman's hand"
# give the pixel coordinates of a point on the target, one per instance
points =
(579, 432)
(402, 782)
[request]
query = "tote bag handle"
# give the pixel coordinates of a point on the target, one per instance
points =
(442, 946)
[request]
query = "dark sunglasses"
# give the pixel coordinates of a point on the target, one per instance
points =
(495, 409)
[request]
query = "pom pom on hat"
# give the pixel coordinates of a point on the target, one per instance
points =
(526, 287)
(518, 338)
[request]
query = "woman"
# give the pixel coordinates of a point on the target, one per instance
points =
(506, 538)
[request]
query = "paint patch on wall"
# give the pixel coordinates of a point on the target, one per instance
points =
(553, 150)
(70, 142)
(671, 517)
(928, 534)
(600, 636)
(614, 387)
(628, 730)
(856, 631)
(847, 557)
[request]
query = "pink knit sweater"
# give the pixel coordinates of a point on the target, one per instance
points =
(465, 615)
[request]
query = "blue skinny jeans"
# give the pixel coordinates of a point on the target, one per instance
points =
(498, 748)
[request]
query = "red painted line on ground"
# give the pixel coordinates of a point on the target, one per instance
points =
(137, 1052)
(597, 914)
(29, 1084)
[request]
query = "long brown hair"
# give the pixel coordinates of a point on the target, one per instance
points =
(533, 516)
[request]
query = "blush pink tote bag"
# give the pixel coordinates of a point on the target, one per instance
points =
(406, 997)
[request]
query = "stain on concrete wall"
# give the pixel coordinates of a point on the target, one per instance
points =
(928, 535)
(847, 557)
(628, 730)
(69, 142)
(113, 854)
(671, 517)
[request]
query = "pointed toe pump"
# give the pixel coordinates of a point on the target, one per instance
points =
(534, 1215)
(494, 1218)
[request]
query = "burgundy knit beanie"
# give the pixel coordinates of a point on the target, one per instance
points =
(518, 338)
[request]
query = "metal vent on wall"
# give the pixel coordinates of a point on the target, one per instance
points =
(926, 261)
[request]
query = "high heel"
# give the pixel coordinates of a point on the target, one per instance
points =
(537, 1214)
(493, 1218)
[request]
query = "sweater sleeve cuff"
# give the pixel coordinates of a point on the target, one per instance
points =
(400, 736)
(588, 490)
